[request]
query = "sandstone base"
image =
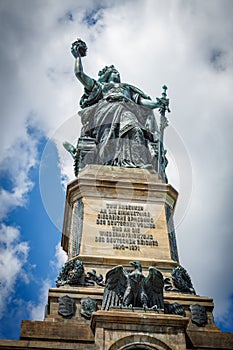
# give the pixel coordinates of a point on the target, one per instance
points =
(115, 215)
(120, 329)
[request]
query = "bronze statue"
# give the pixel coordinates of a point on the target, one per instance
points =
(135, 293)
(128, 289)
(119, 128)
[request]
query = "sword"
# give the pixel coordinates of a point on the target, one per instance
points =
(163, 108)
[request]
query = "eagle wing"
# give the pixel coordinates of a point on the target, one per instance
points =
(154, 288)
(115, 285)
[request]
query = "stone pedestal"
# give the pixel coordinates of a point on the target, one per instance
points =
(119, 329)
(114, 215)
(116, 330)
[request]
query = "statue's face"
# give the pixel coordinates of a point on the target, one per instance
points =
(115, 76)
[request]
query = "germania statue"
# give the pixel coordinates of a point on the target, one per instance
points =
(119, 127)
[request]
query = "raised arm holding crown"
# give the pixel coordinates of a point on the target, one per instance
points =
(117, 116)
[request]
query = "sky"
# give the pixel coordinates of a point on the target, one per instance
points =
(187, 45)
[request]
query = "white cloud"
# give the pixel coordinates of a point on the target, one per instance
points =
(37, 311)
(60, 256)
(15, 164)
(13, 256)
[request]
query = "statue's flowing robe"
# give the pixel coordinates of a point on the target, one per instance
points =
(119, 128)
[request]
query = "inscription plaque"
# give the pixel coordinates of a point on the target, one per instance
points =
(123, 225)
(120, 228)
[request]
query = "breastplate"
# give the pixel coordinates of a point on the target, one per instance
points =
(115, 90)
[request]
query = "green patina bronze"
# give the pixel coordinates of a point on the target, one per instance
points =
(119, 127)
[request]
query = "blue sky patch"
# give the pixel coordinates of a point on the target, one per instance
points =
(217, 59)
(5, 181)
(40, 234)
(92, 16)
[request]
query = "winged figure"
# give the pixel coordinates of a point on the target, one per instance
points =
(132, 289)
(182, 280)
(154, 288)
(115, 285)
